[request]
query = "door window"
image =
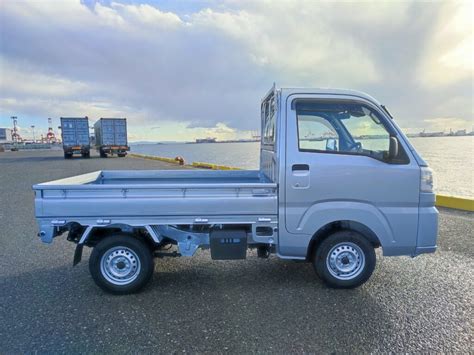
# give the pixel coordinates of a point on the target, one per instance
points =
(341, 128)
(314, 132)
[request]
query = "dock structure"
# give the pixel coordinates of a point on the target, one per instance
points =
(409, 305)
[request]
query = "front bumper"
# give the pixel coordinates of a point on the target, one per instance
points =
(425, 250)
(427, 225)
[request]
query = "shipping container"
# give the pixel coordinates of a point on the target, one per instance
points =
(111, 136)
(75, 136)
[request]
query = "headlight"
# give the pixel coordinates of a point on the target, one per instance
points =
(426, 180)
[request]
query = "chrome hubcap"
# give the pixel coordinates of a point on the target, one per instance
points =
(345, 261)
(120, 265)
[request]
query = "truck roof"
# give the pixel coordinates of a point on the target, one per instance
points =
(286, 91)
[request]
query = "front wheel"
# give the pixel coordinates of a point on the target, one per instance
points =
(121, 264)
(344, 259)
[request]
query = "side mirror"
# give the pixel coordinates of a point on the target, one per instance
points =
(393, 148)
(331, 144)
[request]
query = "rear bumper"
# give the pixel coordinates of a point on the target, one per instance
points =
(114, 148)
(77, 149)
(47, 230)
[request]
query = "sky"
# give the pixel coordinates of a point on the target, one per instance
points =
(180, 70)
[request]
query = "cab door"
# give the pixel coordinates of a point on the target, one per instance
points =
(336, 152)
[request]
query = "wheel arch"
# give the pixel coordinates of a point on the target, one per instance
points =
(335, 226)
(97, 233)
(94, 234)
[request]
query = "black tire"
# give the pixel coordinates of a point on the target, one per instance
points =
(86, 155)
(116, 246)
(67, 155)
(103, 154)
(353, 250)
(263, 251)
(121, 155)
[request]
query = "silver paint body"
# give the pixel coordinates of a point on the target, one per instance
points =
(384, 198)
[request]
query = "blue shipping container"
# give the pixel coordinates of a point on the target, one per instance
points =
(75, 131)
(111, 132)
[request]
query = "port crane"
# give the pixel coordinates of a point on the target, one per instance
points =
(50, 136)
(15, 135)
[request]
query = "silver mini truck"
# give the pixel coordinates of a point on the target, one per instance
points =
(337, 179)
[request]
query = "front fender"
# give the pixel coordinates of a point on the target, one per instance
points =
(321, 214)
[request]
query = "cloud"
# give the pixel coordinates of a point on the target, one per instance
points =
(448, 57)
(142, 14)
(207, 68)
(23, 82)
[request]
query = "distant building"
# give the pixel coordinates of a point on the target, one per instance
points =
(6, 135)
(431, 134)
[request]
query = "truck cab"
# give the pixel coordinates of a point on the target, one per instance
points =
(337, 180)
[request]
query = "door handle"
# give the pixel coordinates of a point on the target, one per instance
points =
(300, 167)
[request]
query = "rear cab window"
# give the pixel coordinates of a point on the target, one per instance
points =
(269, 123)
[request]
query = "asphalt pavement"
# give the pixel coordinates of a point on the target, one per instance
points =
(197, 305)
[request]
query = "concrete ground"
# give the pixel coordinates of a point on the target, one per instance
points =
(199, 305)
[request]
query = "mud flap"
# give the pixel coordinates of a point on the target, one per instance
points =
(77, 254)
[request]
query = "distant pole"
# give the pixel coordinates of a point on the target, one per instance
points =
(33, 128)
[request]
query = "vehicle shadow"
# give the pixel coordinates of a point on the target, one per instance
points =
(274, 305)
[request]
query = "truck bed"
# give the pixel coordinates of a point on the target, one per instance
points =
(193, 193)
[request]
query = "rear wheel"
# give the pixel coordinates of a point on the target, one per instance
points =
(67, 155)
(103, 154)
(86, 155)
(344, 259)
(121, 155)
(121, 264)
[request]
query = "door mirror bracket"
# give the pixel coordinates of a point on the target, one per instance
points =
(331, 144)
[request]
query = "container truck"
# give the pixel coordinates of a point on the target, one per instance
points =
(75, 136)
(111, 136)
(337, 179)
